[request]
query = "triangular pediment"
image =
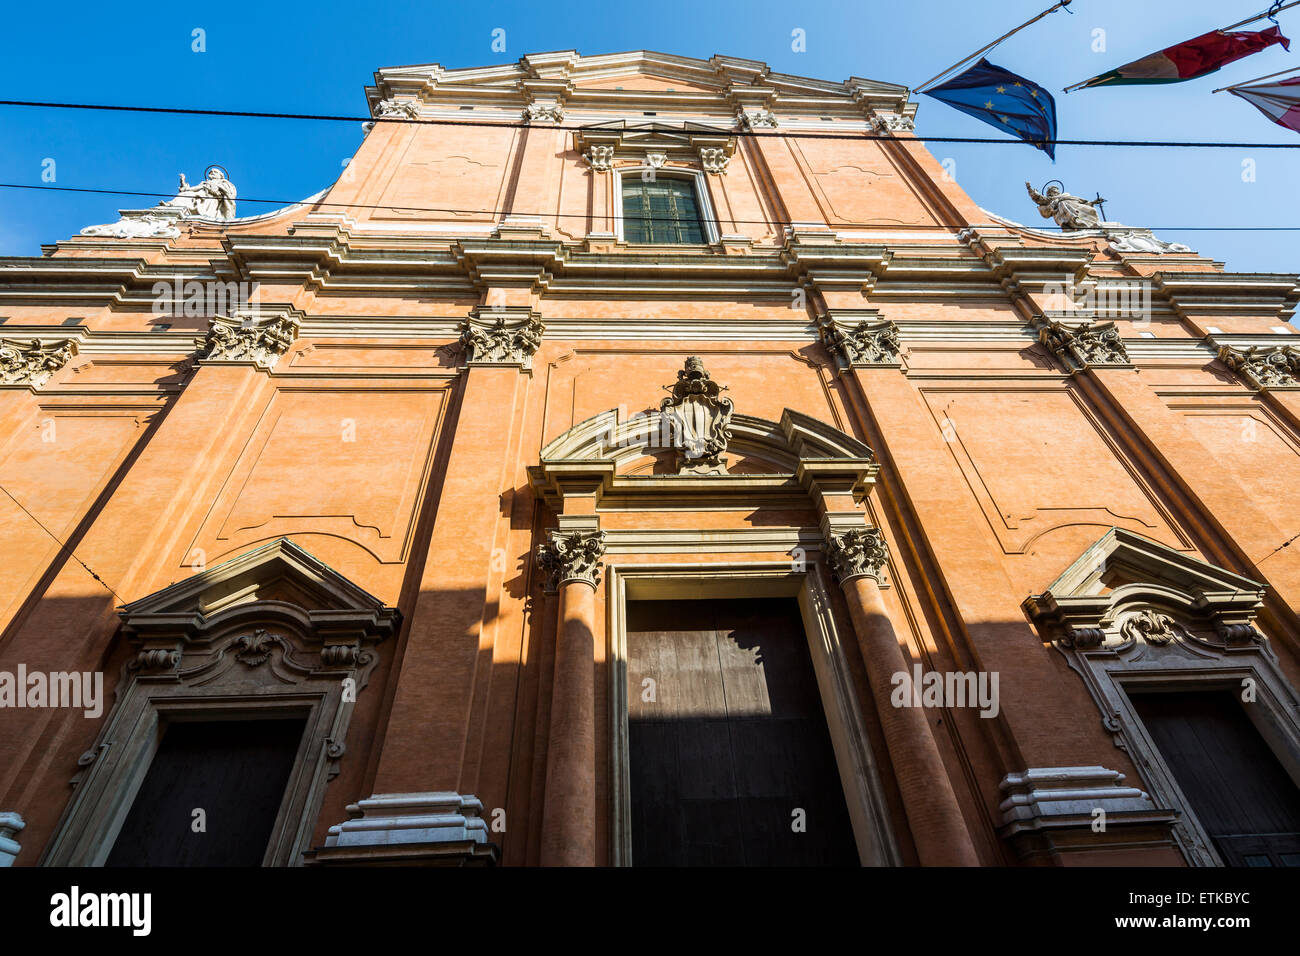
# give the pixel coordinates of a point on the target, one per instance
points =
(281, 572)
(1124, 558)
(1125, 570)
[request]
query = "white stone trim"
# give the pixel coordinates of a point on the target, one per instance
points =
(695, 176)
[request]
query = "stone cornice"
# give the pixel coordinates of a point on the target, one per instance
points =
(1213, 294)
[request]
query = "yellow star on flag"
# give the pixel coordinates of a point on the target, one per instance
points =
(988, 105)
(1004, 119)
(1018, 83)
(1002, 89)
(1033, 93)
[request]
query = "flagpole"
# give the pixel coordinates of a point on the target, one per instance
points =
(1270, 13)
(1269, 76)
(982, 50)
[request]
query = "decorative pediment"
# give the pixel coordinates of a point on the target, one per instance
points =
(278, 595)
(1125, 588)
(655, 144)
(798, 450)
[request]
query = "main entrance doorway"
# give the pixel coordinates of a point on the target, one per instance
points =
(730, 759)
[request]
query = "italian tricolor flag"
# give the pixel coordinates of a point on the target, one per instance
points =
(1190, 59)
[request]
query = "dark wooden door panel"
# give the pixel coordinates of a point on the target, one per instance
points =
(1234, 782)
(234, 770)
(734, 741)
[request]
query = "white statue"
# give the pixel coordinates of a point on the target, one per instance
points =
(1142, 241)
(1070, 212)
(214, 198)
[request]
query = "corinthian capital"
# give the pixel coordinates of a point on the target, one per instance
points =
(866, 343)
(251, 338)
(571, 556)
(856, 553)
(504, 337)
(31, 364)
(1083, 345)
(1276, 367)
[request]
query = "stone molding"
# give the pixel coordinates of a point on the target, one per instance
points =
(254, 338)
(507, 336)
(436, 827)
(1049, 810)
(1085, 345)
(571, 556)
(857, 553)
(1264, 368)
(30, 364)
(699, 418)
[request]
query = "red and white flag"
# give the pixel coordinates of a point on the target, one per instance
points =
(1278, 100)
(1189, 59)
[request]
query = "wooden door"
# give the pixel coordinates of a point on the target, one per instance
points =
(235, 771)
(1240, 793)
(730, 757)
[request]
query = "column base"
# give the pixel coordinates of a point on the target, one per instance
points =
(1049, 812)
(11, 824)
(441, 828)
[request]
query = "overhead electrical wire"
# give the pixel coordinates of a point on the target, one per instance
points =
(283, 203)
(753, 134)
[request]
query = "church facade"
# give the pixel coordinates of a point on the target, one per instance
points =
(641, 460)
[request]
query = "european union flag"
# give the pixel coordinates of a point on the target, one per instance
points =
(1003, 99)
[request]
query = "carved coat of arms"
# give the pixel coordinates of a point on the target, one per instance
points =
(698, 419)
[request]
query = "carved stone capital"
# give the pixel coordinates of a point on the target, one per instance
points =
(757, 119)
(714, 159)
(508, 337)
(1264, 368)
(892, 123)
(1084, 345)
(571, 556)
(599, 156)
(543, 113)
(251, 338)
(31, 364)
(856, 553)
(699, 420)
(863, 344)
(397, 109)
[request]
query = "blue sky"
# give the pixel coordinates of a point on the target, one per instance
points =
(317, 57)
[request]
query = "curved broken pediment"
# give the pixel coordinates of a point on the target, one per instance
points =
(780, 446)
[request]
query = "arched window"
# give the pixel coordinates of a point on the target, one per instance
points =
(662, 210)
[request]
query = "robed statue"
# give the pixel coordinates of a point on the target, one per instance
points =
(1070, 212)
(213, 198)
